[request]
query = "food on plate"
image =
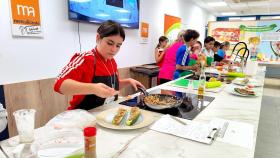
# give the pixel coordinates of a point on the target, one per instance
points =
(245, 81)
(119, 116)
(134, 115)
(212, 79)
(156, 100)
(244, 91)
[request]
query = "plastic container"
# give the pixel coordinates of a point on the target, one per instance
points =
(25, 119)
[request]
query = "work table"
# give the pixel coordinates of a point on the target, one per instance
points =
(148, 143)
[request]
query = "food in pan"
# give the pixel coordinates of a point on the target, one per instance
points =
(244, 91)
(134, 115)
(119, 116)
(157, 100)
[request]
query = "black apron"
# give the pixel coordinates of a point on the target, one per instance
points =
(92, 101)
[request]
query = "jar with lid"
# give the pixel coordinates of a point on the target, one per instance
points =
(90, 142)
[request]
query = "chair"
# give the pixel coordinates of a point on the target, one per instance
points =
(242, 52)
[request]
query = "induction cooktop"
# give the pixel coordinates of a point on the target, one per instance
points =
(189, 109)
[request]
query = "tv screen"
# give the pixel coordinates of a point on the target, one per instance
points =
(125, 12)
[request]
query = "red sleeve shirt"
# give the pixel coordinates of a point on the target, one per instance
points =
(81, 68)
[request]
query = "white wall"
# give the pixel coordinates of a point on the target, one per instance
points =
(25, 59)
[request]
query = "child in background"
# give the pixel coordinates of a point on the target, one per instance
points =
(216, 47)
(167, 69)
(183, 55)
(207, 50)
(221, 54)
(195, 50)
(160, 50)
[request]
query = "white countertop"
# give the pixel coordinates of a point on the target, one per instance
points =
(152, 144)
(1, 154)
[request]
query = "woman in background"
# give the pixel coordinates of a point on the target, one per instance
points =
(160, 50)
(92, 76)
(167, 69)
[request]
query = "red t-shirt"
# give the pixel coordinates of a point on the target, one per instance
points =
(159, 64)
(81, 68)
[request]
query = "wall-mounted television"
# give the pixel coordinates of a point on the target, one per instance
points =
(125, 12)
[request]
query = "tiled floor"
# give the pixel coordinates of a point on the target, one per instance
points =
(268, 139)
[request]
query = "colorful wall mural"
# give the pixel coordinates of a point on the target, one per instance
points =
(251, 33)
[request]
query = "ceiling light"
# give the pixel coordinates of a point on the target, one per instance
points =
(276, 17)
(217, 4)
(234, 18)
(228, 13)
(248, 18)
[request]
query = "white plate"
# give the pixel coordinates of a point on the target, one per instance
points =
(58, 144)
(105, 119)
(253, 82)
(232, 91)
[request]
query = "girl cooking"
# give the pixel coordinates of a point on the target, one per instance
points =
(92, 76)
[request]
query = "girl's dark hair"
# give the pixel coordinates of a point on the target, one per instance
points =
(199, 43)
(192, 48)
(110, 28)
(226, 43)
(208, 39)
(190, 34)
(161, 39)
(217, 44)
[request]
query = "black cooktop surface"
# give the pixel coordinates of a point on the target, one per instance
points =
(189, 109)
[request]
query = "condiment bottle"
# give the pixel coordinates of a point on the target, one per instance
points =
(202, 83)
(90, 142)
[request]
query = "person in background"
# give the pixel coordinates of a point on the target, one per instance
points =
(167, 69)
(221, 54)
(160, 50)
(195, 50)
(207, 50)
(183, 54)
(216, 47)
(92, 76)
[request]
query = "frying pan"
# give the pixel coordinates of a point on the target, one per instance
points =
(162, 97)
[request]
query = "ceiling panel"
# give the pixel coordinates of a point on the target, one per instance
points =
(242, 7)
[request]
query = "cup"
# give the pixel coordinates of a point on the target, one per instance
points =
(25, 124)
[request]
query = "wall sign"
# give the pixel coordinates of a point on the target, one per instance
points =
(172, 26)
(25, 18)
(144, 32)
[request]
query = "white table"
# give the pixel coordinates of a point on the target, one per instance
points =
(2, 155)
(154, 144)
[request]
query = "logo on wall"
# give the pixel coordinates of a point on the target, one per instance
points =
(25, 18)
(144, 32)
